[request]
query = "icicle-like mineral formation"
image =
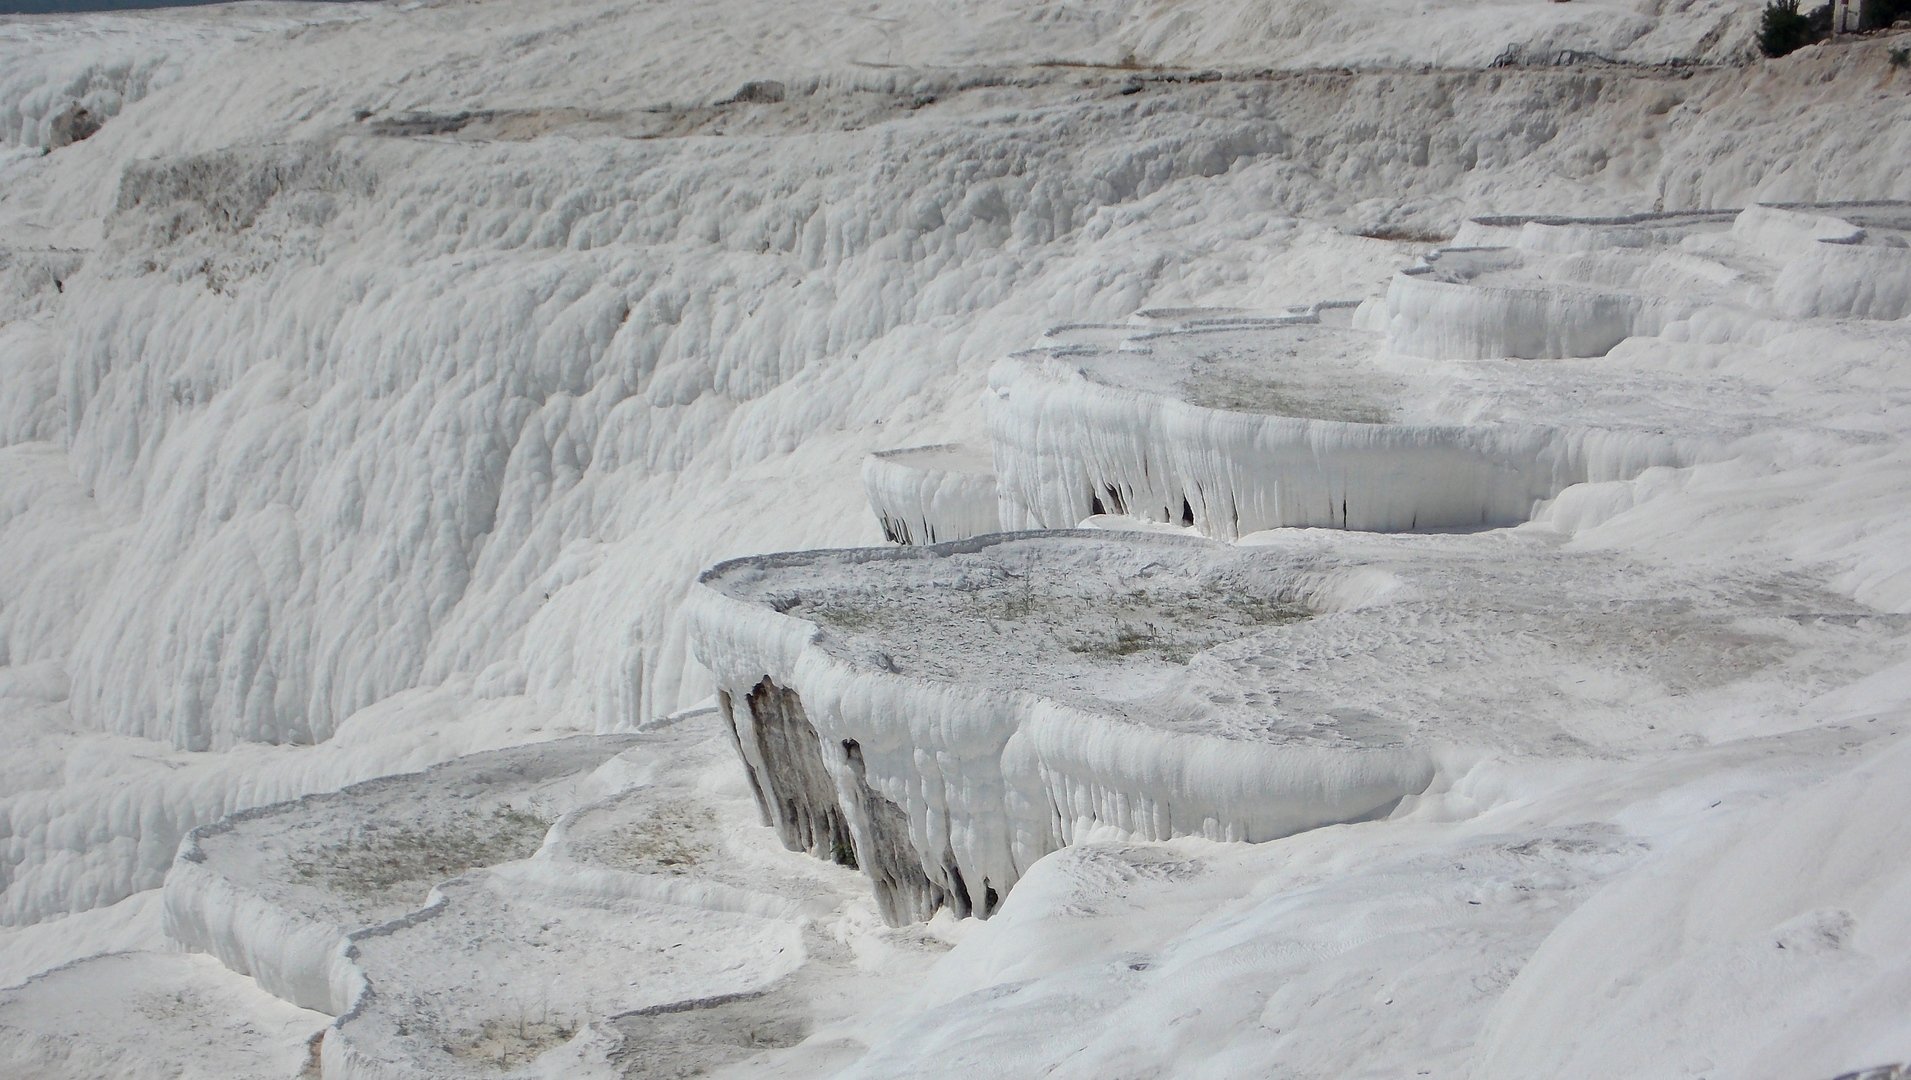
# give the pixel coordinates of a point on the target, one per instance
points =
(932, 494)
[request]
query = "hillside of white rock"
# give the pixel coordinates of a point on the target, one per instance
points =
(1521, 692)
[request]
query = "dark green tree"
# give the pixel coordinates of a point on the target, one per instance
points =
(1879, 14)
(1783, 29)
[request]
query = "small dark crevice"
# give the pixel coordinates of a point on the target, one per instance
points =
(904, 891)
(958, 897)
(807, 814)
(1187, 512)
(896, 531)
(412, 125)
(75, 124)
(804, 798)
(1095, 506)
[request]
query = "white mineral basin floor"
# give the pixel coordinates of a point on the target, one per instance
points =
(515, 960)
(1488, 640)
(1302, 369)
(371, 852)
(1308, 370)
(1694, 262)
(598, 880)
(151, 1014)
(659, 931)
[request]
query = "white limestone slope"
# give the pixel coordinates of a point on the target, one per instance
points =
(1395, 948)
(106, 62)
(1782, 935)
(370, 392)
(551, 368)
(1854, 263)
(320, 407)
(1705, 891)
